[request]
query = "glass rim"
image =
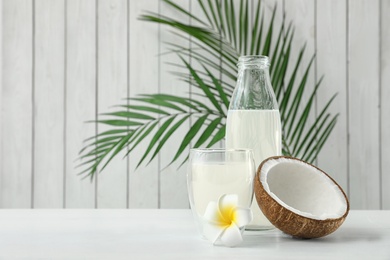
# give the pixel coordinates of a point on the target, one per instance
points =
(254, 60)
(215, 150)
(252, 57)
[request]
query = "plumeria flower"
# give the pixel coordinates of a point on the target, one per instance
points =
(224, 219)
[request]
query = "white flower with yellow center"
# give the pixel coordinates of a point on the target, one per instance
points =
(224, 219)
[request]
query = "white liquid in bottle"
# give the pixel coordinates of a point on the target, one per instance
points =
(259, 130)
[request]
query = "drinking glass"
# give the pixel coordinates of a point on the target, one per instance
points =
(215, 172)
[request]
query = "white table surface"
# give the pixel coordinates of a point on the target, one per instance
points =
(171, 234)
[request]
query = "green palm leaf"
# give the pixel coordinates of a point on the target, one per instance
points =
(218, 40)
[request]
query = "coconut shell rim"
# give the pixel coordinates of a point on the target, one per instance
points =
(297, 159)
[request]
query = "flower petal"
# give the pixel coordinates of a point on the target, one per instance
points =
(231, 236)
(211, 213)
(226, 204)
(242, 216)
(228, 200)
(213, 223)
(211, 231)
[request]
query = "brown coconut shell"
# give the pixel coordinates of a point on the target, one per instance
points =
(288, 221)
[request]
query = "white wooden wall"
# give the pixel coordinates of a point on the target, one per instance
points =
(65, 61)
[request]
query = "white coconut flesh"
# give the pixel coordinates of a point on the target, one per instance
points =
(303, 189)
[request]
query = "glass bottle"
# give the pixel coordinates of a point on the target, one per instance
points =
(253, 120)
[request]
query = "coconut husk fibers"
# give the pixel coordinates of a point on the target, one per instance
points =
(290, 222)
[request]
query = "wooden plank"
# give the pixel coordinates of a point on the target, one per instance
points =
(80, 97)
(301, 14)
(112, 89)
(173, 187)
(49, 104)
(196, 10)
(143, 71)
(363, 104)
(268, 8)
(385, 105)
(332, 64)
(16, 104)
(1, 86)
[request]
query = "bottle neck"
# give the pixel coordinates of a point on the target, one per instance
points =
(253, 89)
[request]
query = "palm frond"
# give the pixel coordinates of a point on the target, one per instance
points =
(132, 124)
(226, 33)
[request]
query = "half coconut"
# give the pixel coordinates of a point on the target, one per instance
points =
(299, 198)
